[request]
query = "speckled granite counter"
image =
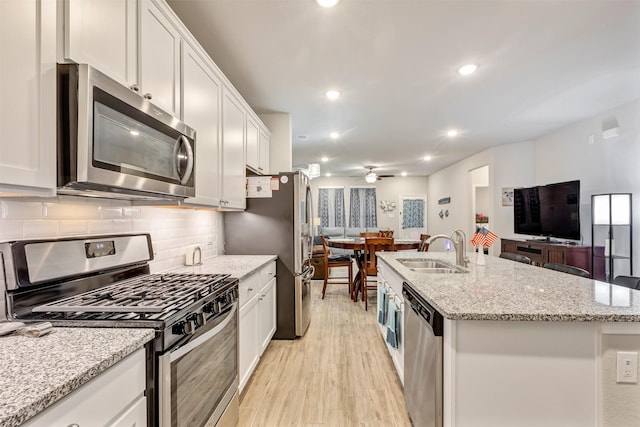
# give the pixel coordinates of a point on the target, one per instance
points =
(37, 372)
(507, 290)
(238, 266)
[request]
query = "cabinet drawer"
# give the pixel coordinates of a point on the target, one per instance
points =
(249, 287)
(102, 399)
(268, 272)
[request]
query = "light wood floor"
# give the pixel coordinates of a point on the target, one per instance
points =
(338, 374)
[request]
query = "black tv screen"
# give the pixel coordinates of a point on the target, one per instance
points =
(548, 210)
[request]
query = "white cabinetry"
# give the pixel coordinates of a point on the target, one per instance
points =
(392, 284)
(265, 146)
(202, 93)
(159, 58)
(28, 97)
(257, 301)
(103, 34)
(233, 145)
(114, 398)
(253, 144)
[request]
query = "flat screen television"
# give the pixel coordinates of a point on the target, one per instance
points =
(548, 210)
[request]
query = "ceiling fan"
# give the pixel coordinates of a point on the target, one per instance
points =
(372, 177)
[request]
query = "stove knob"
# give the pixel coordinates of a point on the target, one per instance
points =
(201, 319)
(211, 307)
(189, 327)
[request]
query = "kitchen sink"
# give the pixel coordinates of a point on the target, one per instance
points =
(433, 266)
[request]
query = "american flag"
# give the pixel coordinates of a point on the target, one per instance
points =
(484, 237)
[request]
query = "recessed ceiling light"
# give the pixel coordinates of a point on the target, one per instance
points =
(333, 95)
(328, 174)
(465, 70)
(327, 3)
(427, 158)
(334, 135)
(451, 133)
(134, 132)
(325, 159)
(403, 174)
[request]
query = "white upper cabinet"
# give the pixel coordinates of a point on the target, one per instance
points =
(28, 97)
(233, 145)
(103, 34)
(265, 146)
(159, 58)
(202, 93)
(253, 147)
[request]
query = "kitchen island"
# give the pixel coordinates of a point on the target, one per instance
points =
(527, 346)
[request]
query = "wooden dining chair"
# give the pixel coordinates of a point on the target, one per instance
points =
(385, 233)
(424, 246)
(366, 234)
(335, 261)
(369, 265)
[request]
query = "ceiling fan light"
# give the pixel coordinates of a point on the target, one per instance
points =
(371, 177)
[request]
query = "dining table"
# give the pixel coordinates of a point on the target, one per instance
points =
(356, 244)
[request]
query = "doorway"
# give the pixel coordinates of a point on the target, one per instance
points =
(413, 218)
(481, 211)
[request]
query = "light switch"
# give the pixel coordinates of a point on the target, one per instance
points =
(627, 367)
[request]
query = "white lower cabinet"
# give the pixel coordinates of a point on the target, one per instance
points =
(114, 398)
(392, 284)
(257, 318)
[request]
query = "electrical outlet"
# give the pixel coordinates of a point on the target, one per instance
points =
(627, 367)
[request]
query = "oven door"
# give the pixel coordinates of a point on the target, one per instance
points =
(199, 378)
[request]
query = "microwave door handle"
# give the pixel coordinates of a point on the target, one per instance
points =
(182, 145)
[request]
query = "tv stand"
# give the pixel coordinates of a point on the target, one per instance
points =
(542, 251)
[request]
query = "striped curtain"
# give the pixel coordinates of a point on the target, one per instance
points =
(331, 207)
(412, 213)
(362, 207)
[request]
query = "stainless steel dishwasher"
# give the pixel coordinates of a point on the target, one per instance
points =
(422, 360)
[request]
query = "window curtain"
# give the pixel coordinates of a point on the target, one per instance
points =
(331, 207)
(362, 212)
(412, 213)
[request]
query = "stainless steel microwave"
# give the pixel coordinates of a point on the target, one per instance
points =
(112, 142)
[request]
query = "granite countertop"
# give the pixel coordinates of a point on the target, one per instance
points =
(238, 266)
(508, 290)
(37, 372)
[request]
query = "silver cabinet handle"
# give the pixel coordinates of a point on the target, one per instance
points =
(148, 96)
(250, 289)
(134, 88)
(74, 425)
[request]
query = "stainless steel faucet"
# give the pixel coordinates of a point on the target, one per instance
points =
(458, 239)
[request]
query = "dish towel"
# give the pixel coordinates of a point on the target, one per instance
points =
(382, 310)
(392, 324)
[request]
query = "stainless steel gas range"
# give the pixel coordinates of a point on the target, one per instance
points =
(104, 281)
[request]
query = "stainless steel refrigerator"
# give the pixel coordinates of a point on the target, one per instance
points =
(279, 222)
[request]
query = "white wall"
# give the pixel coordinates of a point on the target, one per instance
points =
(280, 145)
(603, 166)
(171, 229)
(386, 189)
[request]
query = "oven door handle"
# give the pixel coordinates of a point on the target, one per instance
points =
(190, 345)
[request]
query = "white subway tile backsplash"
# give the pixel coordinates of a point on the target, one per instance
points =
(171, 229)
(73, 227)
(21, 210)
(39, 228)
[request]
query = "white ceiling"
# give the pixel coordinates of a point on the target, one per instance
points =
(542, 65)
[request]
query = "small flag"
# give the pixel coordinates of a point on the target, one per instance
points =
(478, 239)
(489, 237)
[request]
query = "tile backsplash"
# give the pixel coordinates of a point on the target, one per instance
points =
(171, 229)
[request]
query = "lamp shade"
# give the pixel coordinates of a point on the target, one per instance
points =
(371, 177)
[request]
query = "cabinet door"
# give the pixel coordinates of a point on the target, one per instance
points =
(28, 97)
(253, 147)
(248, 339)
(201, 110)
(135, 416)
(159, 58)
(233, 146)
(267, 314)
(102, 33)
(555, 255)
(264, 153)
